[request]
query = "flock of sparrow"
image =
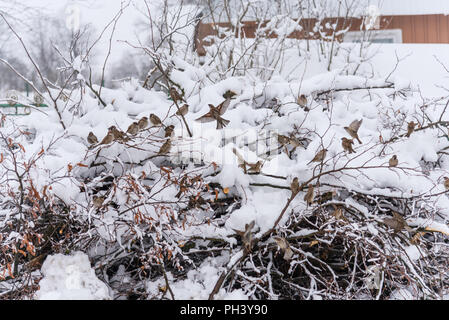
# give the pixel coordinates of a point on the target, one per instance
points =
(215, 114)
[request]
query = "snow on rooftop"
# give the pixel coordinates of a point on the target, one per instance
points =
(412, 7)
(263, 9)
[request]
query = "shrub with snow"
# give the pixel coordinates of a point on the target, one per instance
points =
(273, 206)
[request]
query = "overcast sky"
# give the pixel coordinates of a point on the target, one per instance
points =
(98, 13)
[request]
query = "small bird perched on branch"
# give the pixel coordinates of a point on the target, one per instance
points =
(393, 162)
(247, 236)
(302, 102)
(283, 140)
(117, 134)
(294, 186)
(165, 148)
(98, 201)
(133, 128)
(397, 223)
(320, 156)
(183, 110)
(255, 167)
(347, 145)
(353, 129)
(155, 120)
(174, 94)
(108, 138)
(169, 131)
(143, 123)
(92, 138)
(410, 128)
(308, 198)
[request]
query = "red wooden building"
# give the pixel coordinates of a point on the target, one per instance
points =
(399, 21)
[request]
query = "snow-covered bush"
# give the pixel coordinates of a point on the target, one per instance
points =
(180, 209)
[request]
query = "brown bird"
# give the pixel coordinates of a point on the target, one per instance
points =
(255, 167)
(117, 134)
(308, 198)
(133, 128)
(410, 128)
(92, 138)
(285, 247)
(302, 101)
(393, 162)
(347, 145)
(155, 120)
(397, 222)
(319, 156)
(175, 95)
(353, 129)
(446, 183)
(143, 123)
(283, 140)
(98, 201)
(215, 114)
(108, 138)
(165, 148)
(169, 130)
(183, 110)
(247, 236)
(294, 186)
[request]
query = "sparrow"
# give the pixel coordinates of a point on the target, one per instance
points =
(143, 123)
(397, 222)
(98, 201)
(393, 162)
(133, 128)
(302, 101)
(283, 140)
(169, 131)
(165, 148)
(175, 95)
(347, 145)
(255, 167)
(108, 138)
(294, 186)
(117, 134)
(319, 156)
(92, 138)
(353, 128)
(284, 246)
(215, 114)
(446, 183)
(155, 120)
(183, 110)
(308, 198)
(247, 236)
(410, 128)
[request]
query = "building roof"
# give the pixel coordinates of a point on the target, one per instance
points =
(412, 7)
(260, 9)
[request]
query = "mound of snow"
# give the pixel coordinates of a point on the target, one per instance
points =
(70, 278)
